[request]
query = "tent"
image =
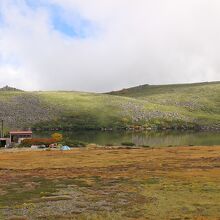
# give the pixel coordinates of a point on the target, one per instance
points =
(65, 148)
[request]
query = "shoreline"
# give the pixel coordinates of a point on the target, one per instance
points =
(101, 147)
(141, 129)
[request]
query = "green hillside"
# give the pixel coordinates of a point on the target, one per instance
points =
(200, 101)
(168, 106)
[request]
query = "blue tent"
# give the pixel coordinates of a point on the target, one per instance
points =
(65, 148)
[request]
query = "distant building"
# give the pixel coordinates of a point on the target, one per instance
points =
(17, 136)
(4, 142)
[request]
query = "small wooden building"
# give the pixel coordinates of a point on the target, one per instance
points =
(18, 136)
(4, 142)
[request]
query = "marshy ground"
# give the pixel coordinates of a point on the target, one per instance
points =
(156, 183)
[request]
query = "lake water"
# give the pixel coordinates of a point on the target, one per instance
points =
(150, 138)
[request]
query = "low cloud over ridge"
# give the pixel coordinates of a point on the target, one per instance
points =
(105, 45)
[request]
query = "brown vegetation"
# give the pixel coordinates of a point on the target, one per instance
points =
(37, 141)
(155, 183)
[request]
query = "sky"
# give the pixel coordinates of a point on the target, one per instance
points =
(104, 45)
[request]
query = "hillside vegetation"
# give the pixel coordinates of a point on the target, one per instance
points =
(200, 102)
(8, 88)
(168, 106)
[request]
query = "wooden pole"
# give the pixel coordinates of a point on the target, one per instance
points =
(2, 131)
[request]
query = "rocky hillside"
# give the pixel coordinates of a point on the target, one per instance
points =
(10, 89)
(200, 101)
(144, 107)
(23, 110)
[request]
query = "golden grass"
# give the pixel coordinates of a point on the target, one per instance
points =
(168, 183)
(175, 161)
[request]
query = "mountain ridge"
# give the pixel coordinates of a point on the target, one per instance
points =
(10, 89)
(187, 106)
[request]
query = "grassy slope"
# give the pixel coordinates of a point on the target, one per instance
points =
(162, 106)
(200, 102)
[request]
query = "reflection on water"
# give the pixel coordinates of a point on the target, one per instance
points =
(150, 138)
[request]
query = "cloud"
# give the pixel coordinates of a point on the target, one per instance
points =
(104, 45)
(68, 22)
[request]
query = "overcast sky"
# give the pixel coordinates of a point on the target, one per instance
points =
(102, 45)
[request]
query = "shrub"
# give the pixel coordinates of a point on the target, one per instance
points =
(37, 141)
(58, 137)
(146, 146)
(128, 144)
(73, 143)
(109, 145)
(79, 144)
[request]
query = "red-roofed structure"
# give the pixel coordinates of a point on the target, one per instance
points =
(21, 132)
(18, 136)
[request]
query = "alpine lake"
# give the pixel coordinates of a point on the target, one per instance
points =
(146, 138)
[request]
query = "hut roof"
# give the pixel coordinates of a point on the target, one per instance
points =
(20, 132)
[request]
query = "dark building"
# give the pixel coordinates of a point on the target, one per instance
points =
(18, 136)
(4, 142)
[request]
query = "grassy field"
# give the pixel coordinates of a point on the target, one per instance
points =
(168, 106)
(158, 183)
